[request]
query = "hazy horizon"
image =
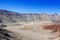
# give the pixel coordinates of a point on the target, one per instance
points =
(31, 6)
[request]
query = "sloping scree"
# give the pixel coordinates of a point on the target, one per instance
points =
(4, 34)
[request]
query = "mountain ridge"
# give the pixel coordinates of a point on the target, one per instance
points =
(9, 16)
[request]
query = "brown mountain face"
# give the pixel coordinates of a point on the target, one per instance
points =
(8, 16)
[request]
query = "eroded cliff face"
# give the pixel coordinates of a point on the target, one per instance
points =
(8, 16)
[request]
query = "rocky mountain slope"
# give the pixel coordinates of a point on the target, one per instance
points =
(18, 26)
(8, 16)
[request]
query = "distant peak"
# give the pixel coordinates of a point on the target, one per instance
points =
(4, 10)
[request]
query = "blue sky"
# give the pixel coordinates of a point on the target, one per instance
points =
(31, 6)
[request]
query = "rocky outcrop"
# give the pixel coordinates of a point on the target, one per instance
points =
(5, 34)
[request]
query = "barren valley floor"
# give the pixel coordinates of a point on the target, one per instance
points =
(31, 31)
